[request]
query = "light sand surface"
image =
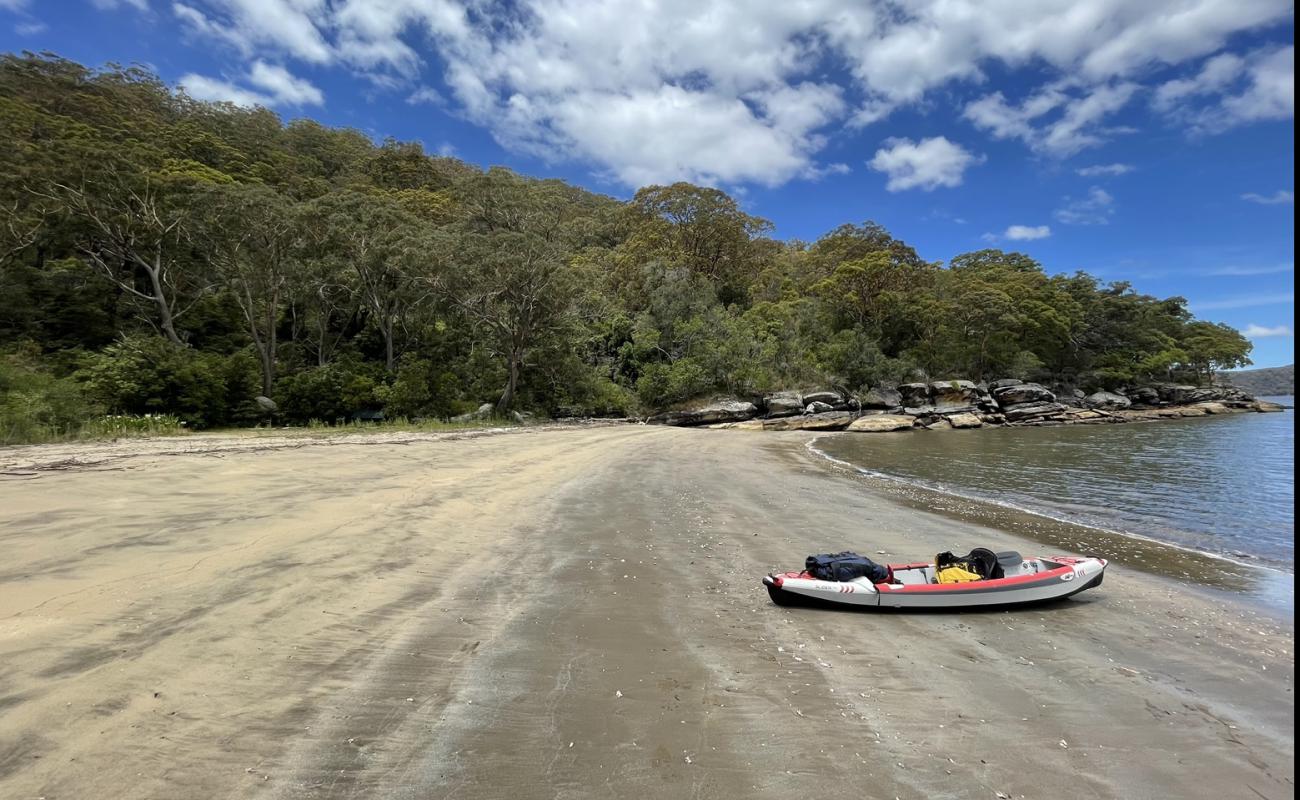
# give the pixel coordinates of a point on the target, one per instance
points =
(567, 614)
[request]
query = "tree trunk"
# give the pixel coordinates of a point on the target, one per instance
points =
(160, 300)
(508, 396)
(387, 327)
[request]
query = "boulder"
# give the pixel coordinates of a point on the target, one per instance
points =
(1266, 406)
(941, 424)
(724, 411)
(1020, 393)
(832, 421)
(1175, 394)
(783, 404)
(266, 404)
(1192, 411)
(818, 407)
(1024, 411)
(483, 412)
(1003, 383)
(880, 423)
(1108, 400)
(965, 421)
(915, 395)
(953, 393)
(881, 397)
(1145, 396)
(992, 417)
(1213, 408)
(829, 398)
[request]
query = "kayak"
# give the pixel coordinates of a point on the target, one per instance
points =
(1020, 580)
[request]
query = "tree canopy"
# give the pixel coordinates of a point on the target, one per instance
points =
(160, 254)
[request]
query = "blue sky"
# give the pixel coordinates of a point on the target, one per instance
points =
(1149, 142)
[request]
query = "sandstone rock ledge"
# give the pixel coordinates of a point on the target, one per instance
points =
(960, 405)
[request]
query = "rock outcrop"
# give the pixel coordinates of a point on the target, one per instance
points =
(829, 421)
(723, 411)
(881, 397)
(1020, 393)
(959, 404)
(783, 404)
(965, 421)
(879, 423)
(1107, 400)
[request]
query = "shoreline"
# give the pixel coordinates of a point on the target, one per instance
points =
(529, 616)
(1260, 586)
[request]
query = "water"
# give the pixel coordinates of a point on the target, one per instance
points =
(1222, 485)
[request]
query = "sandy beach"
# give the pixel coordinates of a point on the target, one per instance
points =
(572, 613)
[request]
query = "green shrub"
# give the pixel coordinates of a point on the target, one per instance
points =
(148, 375)
(332, 392)
(36, 406)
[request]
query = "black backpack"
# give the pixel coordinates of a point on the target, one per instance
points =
(844, 567)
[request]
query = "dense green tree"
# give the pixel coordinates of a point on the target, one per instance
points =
(162, 254)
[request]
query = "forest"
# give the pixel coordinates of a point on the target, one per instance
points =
(165, 256)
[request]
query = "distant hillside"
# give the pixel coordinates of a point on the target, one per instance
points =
(1262, 382)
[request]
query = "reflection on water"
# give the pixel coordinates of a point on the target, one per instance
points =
(1220, 485)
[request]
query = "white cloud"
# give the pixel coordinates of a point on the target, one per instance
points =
(278, 88)
(927, 164)
(13, 5)
(1254, 331)
(291, 27)
(677, 89)
(1104, 170)
(425, 94)
(1096, 208)
(1019, 233)
(30, 28)
(218, 91)
(111, 5)
(1280, 197)
(1058, 120)
(1231, 90)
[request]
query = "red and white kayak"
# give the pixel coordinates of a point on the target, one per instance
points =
(1028, 580)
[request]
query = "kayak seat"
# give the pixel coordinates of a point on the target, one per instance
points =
(1009, 562)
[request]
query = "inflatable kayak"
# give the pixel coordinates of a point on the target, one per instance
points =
(1016, 580)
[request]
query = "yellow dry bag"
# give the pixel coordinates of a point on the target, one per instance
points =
(956, 575)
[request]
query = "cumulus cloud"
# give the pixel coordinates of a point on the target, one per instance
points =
(1095, 208)
(678, 89)
(926, 165)
(284, 88)
(1231, 90)
(1058, 120)
(1104, 170)
(1280, 197)
(1021, 233)
(1253, 331)
(278, 87)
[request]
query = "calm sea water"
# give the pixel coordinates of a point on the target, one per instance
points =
(1224, 485)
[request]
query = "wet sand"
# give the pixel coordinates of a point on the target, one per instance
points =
(574, 613)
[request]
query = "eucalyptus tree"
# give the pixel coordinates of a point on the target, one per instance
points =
(386, 249)
(252, 240)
